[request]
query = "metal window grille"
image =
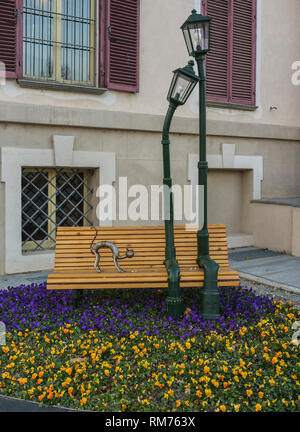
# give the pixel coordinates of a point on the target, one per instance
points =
(59, 40)
(52, 198)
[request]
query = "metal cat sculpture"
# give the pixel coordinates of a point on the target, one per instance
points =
(95, 247)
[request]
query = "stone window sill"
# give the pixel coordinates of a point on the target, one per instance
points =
(230, 105)
(290, 202)
(46, 85)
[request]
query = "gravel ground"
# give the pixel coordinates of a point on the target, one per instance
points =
(275, 293)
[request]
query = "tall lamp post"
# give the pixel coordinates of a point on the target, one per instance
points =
(196, 31)
(183, 83)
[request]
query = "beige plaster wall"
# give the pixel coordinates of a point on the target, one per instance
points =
(139, 157)
(281, 161)
(276, 227)
(277, 49)
(139, 154)
(296, 232)
(163, 49)
(271, 226)
(115, 122)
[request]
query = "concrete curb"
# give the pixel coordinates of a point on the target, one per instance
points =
(11, 404)
(269, 283)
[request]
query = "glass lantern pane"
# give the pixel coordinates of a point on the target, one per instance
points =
(188, 41)
(199, 36)
(172, 87)
(189, 90)
(182, 88)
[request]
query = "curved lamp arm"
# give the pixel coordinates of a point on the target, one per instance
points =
(174, 300)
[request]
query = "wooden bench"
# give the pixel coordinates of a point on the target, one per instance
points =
(74, 262)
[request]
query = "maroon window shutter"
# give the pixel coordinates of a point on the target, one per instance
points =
(9, 29)
(244, 52)
(122, 36)
(218, 58)
(231, 62)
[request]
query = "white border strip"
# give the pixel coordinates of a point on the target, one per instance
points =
(228, 160)
(12, 161)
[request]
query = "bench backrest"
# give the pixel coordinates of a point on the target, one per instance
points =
(148, 242)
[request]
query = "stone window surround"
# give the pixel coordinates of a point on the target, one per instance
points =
(12, 161)
(228, 160)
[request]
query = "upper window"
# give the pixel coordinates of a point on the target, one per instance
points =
(231, 61)
(59, 40)
(73, 42)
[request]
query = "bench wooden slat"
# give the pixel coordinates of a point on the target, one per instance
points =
(139, 228)
(160, 285)
(129, 277)
(136, 263)
(158, 235)
(139, 272)
(185, 254)
(74, 262)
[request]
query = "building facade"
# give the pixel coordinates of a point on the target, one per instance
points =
(82, 103)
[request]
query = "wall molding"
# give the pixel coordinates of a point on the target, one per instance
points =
(12, 112)
(229, 160)
(12, 161)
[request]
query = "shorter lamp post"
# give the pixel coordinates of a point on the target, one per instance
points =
(183, 83)
(196, 32)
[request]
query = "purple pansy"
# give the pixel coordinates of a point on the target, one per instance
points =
(119, 312)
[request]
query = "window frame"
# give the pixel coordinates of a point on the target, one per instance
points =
(12, 160)
(109, 74)
(49, 244)
(93, 83)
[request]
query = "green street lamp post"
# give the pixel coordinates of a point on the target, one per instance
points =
(196, 31)
(183, 83)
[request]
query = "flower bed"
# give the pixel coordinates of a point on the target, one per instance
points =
(117, 351)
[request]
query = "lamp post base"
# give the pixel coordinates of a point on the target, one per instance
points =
(210, 297)
(175, 307)
(77, 297)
